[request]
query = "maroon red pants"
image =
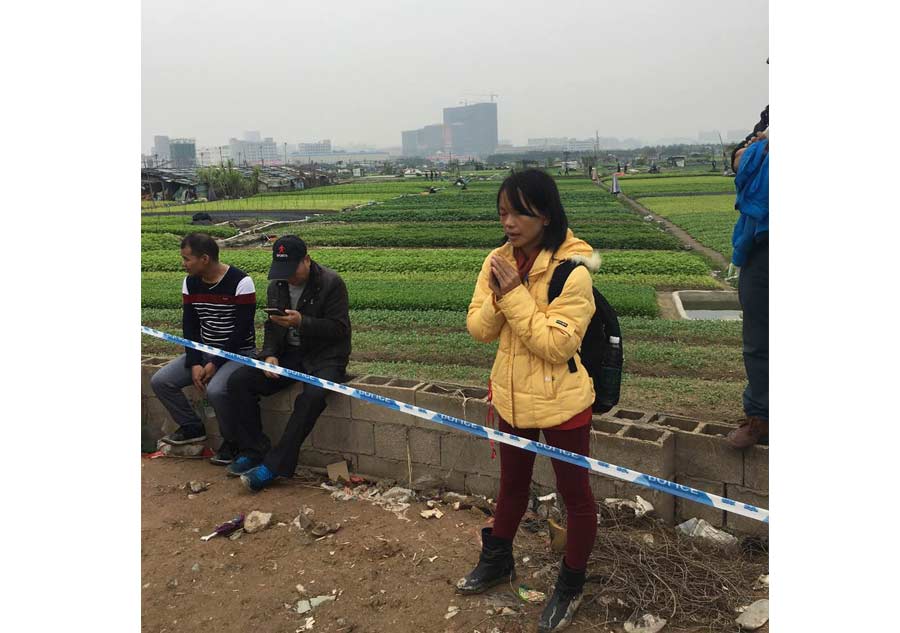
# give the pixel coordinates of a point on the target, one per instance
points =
(572, 482)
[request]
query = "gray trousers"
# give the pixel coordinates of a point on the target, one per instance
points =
(169, 382)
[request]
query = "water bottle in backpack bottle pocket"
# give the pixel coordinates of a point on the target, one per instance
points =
(601, 348)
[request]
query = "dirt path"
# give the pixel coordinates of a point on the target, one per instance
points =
(387, 575)
(714, 256)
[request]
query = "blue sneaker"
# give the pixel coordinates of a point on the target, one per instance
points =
(258, 478)
(242, 465)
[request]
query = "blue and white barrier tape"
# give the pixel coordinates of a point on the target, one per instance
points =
(594, 465)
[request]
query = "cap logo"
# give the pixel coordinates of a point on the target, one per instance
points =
(281, 248)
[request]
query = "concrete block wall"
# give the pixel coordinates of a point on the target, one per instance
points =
(380, 442)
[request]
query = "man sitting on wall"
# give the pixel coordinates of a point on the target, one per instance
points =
(312, 337)
(218, 303)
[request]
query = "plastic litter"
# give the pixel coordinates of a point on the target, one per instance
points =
(226, 528)
(531, 596)
(700, 528)
(645, 624)
(639, 506)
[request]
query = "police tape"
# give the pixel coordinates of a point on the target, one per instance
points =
(593, 465)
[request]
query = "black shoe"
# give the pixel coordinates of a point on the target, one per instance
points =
(225, 455)
(496, 565)
(186, 435)
(566, 598)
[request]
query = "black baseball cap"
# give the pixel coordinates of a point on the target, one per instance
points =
(287, 253)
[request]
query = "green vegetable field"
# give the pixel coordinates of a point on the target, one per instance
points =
(410, 261)
(708, 219)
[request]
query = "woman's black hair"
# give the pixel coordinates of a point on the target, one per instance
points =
(536, 189)
(201, 244)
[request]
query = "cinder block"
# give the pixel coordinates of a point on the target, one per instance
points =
(621, 414)
(312, 458)
(158, 417)
(645, 449)
(756, 468)
(425, 446)
(705, 454)
(397, 389)
(153, 419)
(476, 406)
(742, 524)
(343, 435)
(463, 452)
(443, 398)
(685, 509)
(380, 468)
(452, 480)
(603, 487)
(390, 440)
(483, 485)
(677, 423)
(337, 405)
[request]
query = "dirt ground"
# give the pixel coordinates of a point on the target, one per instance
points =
(386, 574)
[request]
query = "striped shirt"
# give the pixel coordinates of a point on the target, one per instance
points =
(219, 314)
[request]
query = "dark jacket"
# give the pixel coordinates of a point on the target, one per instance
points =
(325, 326)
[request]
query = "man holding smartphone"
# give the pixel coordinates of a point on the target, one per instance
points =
(218, 302)
(308, 330)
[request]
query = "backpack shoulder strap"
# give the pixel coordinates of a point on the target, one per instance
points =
(557, 282)
(559, 278)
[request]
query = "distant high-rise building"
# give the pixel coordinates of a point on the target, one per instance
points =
(252, 136)
(160, 148)
(424, 141)
(472, 128)
(183, 153)
(433, 138)
(562, 143)
(410, 142)
(319, 147)
(210, 155)
(252, 152)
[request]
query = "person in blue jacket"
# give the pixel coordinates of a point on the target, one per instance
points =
(750, 241)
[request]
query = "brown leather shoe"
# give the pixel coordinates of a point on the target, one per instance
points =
(751, 431)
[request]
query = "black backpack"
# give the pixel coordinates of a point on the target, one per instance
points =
(601, 356)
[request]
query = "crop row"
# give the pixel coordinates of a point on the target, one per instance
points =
(633, 328)
(163, 290)
(184, 228)
(467, 261)
(598, 233)
(687, 184)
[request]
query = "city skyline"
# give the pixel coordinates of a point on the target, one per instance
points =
(363, 72)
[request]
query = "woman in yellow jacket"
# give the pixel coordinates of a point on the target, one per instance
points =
(533, 387)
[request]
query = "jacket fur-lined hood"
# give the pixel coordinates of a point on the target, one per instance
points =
(591, 262)
(579, 251)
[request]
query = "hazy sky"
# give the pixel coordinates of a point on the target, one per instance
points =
(363, 71)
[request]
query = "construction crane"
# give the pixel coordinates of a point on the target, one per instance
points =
(491, 95)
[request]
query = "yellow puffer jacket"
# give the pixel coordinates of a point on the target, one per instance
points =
(531, 382)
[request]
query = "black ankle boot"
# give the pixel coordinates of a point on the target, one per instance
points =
(560, 611)
(496, 565)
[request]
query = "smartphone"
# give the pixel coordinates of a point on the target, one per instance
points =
(274, 311)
